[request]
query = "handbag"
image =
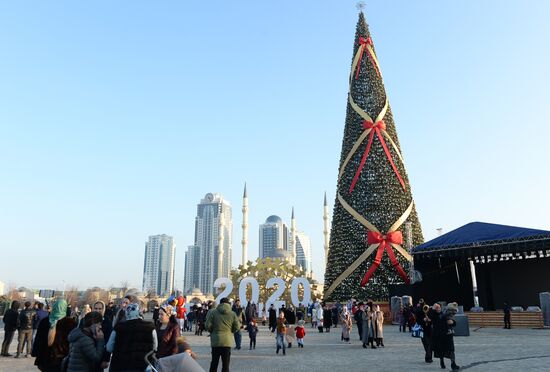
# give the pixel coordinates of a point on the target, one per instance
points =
(417, 331)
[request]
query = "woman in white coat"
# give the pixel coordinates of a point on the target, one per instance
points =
(319, 316)
(378, 320)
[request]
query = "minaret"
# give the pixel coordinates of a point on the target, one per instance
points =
(221, 227)
(325, 228)
(244, 242)
(293, 237)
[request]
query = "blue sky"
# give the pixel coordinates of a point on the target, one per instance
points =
(117, 117)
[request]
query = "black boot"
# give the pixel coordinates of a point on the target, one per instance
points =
(454, 366)
(442, 363)
(364, 345)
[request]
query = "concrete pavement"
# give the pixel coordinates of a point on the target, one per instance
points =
(484, 350)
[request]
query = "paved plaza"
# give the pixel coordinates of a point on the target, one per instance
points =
(484, 350)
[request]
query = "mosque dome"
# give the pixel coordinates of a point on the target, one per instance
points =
(196, 292)
(273, 219)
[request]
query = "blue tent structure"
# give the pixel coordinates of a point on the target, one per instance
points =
(482, 237)
(511, 265)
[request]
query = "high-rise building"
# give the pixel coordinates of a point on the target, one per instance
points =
(303, 251)
(158, 267)
(209, 257)
(274, 235)
(191, 277)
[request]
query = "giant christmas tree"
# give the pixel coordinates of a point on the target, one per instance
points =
(373, 200)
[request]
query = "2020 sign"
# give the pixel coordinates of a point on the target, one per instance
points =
(271, 283)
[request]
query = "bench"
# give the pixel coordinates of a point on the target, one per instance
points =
(495, 319)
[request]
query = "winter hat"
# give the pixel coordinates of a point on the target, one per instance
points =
(132, 311)
(301, 323)
(168, 309)
(452, 306)
(59, 311)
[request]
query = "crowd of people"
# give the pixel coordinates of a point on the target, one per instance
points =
(101, 336)
(96, 338)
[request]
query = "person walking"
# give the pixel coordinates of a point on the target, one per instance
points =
(424, 319)
(87, 345)
(346, 325)
(222, 323)
(290, 317)
(250, 312)
(10, 326)
(507, 316)
(300, 333)
(167, 331)
(281, 332)
(238, 310)
(443, 342)
(272, 318)
(24, 329)
(252, 330)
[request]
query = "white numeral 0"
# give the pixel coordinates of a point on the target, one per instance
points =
(255, 296)
(294, 292)
(274, 298)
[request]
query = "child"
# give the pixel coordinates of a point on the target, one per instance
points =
(401, 320)
(300, 333)
(252, 329)
(449, 314)
(346, 325)
(281, 331)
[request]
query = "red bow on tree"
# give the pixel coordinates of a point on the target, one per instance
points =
(375, 128)
(363, 43)
(384, 244)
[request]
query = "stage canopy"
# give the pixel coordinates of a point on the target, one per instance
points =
(485, 239)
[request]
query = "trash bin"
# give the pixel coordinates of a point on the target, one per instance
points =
(462, 325)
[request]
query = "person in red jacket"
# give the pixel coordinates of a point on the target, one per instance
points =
(180, 312)
(300, 333)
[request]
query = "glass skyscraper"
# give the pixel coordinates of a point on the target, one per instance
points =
(202, 258)
(158, 266)
(274, 235)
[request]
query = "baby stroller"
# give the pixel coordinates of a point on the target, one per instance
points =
(182, 362)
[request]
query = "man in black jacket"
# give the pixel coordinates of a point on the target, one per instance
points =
(358, 317)
(10, 325)
(26, 320)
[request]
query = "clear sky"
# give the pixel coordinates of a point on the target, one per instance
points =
(117, 117)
